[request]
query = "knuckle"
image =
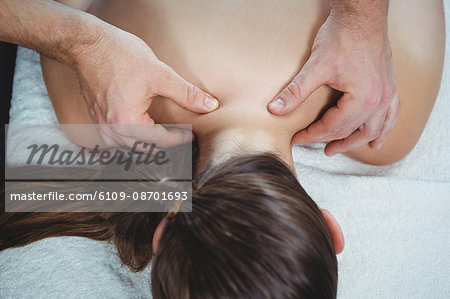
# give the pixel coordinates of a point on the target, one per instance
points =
(160, 76)
(293, 89)
(372, 101)
(342, 133)
(192, 93)
(373, 133)
(386, 98)
(328, 124)
(116, 118)
(104, 129)
(386, 132)
(389, 92)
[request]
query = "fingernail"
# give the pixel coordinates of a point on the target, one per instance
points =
(211, 103)
(300, 138)
(277, 104)
(330, 154)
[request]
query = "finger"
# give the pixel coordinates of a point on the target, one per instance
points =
(108, 135)
(310, 78)
(147, 132)
(337, 123)
(163, 138)
(137, 146)
(117, 126)
(185, 94)
(172, 137)
(366, 133)
(389, 123)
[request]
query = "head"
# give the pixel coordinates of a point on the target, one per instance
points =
(253, 232)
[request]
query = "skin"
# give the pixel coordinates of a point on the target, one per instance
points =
(245, 69)
(351, 53)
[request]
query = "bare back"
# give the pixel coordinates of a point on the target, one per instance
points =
(245, 52)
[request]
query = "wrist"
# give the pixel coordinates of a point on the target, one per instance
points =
(368, 17)
(87, 33)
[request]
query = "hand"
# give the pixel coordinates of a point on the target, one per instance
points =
(120, 76)
(356, 60)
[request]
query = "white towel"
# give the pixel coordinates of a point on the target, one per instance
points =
(396, 219)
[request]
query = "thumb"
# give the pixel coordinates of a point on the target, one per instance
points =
(310, 78)
(173, 86)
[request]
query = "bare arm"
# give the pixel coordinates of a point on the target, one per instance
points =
(50, 28)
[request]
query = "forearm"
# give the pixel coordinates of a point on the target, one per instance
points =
(52, 29)
(367, 14)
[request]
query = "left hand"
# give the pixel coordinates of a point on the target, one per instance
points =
(356, 60)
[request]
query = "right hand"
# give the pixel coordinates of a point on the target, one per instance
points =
(119, 77)
(352, 56)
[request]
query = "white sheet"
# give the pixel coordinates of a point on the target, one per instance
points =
(396, 219)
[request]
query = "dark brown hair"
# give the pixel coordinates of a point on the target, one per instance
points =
(253, 233)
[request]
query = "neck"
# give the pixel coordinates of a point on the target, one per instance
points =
(219, 145)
